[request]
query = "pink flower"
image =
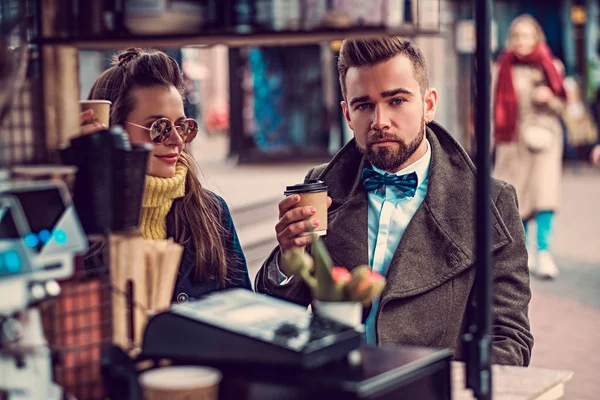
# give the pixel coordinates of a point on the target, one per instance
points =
(375, 276)
(340, 274)
(371, 279)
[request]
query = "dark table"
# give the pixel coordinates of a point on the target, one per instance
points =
(383, 373)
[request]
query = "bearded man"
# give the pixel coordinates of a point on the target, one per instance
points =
(402, 200)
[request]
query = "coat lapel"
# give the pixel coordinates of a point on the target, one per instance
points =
(439, 241)
(347, 225)
(347, 233)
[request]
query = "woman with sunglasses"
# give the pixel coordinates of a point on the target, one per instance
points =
(146, 89)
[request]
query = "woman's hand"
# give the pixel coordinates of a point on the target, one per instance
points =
(89, 123)
(542, 94)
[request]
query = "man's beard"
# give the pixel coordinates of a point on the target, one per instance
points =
(389, 158)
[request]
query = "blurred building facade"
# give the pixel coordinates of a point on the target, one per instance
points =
(285, 100)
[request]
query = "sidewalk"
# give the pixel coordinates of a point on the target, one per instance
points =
(242, 186)
(564, 314)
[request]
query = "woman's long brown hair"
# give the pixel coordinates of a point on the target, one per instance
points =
(197, 216)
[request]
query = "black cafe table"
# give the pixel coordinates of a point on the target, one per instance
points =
(384, 373)
(392, 373)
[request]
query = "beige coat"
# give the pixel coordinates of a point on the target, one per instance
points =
(535, 175)
(431, 275)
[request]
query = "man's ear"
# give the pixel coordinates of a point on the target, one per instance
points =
(430, 104)
(346, 114)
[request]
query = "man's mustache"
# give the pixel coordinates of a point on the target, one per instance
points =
(378, 137)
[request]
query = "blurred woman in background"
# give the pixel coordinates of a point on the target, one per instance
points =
(595, 156)
(146, 89)
(529, 99)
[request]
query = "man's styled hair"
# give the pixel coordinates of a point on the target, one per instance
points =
(369, 52)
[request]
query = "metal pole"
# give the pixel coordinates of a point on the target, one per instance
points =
(478, 337)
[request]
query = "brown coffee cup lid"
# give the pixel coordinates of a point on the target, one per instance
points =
(309, 186)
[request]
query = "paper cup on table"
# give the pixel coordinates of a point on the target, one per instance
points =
(181, 383)
(312, 193)
(101, 109)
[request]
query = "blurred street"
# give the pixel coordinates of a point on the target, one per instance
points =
(564, 314)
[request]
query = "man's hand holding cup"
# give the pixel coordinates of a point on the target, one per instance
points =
(304, 209)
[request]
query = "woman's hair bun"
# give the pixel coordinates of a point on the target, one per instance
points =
(126, 56)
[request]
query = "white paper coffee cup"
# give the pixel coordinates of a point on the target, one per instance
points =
(101, 109)
(181, 383)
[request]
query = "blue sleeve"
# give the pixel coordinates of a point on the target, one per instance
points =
(237, 269)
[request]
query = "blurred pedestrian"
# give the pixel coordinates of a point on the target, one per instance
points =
(581, 130)
(595, 156)
(529, 100)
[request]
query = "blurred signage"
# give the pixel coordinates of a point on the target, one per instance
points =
(466, 41)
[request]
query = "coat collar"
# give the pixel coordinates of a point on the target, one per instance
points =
(439, 242)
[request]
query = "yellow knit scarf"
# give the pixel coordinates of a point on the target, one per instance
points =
(158, 199)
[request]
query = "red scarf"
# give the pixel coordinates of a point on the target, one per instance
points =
(505, 104)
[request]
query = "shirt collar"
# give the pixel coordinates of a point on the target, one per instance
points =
(420, 167)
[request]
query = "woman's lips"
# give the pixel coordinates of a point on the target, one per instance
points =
(168, 158)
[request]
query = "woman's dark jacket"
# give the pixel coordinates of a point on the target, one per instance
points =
(186, 286)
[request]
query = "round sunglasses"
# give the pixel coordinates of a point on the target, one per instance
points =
(161, 129)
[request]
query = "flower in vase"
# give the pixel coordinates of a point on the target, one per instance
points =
(333, 284)
(297, 261)
(341, 274)
(365, 286)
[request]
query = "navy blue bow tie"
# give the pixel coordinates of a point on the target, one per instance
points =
(373, 180)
